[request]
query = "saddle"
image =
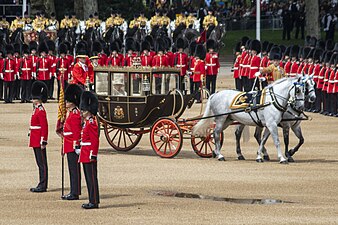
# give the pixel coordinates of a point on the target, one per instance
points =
(248, 99)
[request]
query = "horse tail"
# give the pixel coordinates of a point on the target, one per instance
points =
(201, 128)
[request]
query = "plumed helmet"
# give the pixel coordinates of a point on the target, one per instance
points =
(33, 46)
(181, 43)
(256, 46)
(211, 44)
(114, 46)
(25, 49)
(145, 46)
(9, 49)
(200, 51)
(275, 53)
(265, 46)
(73, 94)
(39, 91)
(294, 51)
(63, 48)
(89, 102)
(192, 48)
(43, 47)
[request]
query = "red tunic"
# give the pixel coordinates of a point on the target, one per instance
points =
(80, 73)
(330, 83)
(52, 59)
(326, 79)
(294, 69)
(72, 131)
(113, 61)
(316, 72)
(171, 57)
(321, 75)
(287, 68)
(264, 62)
(10, 70)
(43, 69)
(212, 64)
(2, 61)
(159, 61)
(245, 66)
(181, 62)
(63, 65)
(91, 73)
(192, 65)
(254, 66)
(102, 59)
(199, 70)
(236, 66)
(26, 68)
(300, 69)
(89, 141)
(241, 63)
(38, 127)
(146, 60)
(128, 59)
(34, 59)
(335, 86)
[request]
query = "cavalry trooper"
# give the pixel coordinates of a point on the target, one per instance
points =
(97, 20)
(26, 18)
(165, 20)
(191, 19)
(135, 23)
(39, 23)
(9, 71)
(210, 20)
(71, 140)
(65, 22)
(38, 134)
(180, 20)
(181, 60)
(142, 20)
(74, 22)
(90, 23)
(4, 24)
(155, 21)
(18, 23)
(53, 23)
(89, 147)
(273, 71)
(25, 70)
(110, 20)
(118, 20)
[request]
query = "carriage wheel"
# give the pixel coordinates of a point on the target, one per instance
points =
(166, 138)
(204, 146)
(121, 139)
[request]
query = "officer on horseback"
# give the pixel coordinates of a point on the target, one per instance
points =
(191, 19)
(53, 23)
(209, 22)
(155, 21)
(18, 23)
(90, 23)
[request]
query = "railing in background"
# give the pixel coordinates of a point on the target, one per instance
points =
(273, 23)
(10, 10)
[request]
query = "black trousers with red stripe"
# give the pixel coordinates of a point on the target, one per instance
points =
(74, 169)
(41, 161)
(90, 171)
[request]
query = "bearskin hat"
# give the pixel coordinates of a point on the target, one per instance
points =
(335, 49)
(294, 51)
(306, 52)
(244, 40)
(145, 46)
(181, 43)
(333, 58)
(33, 46)
(89, 102)
(256, 46)
(313, 42)
(307, 40)
(287, 51)
(39, 91)
(150, 40)
(211, 44)
(321, 44)
(137, 46)
(317, 54)
(200, 51)
(68, 45)
(2, 50)
(25, 49)
(114, 46)
(275, 53)
(73, 94)
(238, 47)
(43, 47)
(17, 48)
(160, 45)
(192, 48)
(265, 46)
(310, 54)
(282, 48)
(9, 49)
(63, 48)
(270, 45)
(51, 45)
(167, 42)
(81, 49)
(300, 52)
(96, 47)
(129, 44)
(328, 56)
(329, 45)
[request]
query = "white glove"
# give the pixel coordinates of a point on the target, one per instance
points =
(257, 74)
(262, 79)
(34, 75)
(1, 76)
(326, 29)
(77, 151)
(17, 76)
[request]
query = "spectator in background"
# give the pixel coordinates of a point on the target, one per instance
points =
(201, 13)
(300, 23)
(287, 23)
(329, 23)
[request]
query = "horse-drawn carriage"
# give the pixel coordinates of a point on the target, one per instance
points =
(136, 101)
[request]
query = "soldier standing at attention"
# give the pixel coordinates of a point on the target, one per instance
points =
(90, 147)
(25, 70)
(71, 140)
(38, 134)
(199, 71)
(212, 66)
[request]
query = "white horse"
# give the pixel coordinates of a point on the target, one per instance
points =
(278, 94)
(291, 118)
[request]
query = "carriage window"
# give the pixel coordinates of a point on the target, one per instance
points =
(136, 84)
(119, 84)
(101, 83)
(162, 83)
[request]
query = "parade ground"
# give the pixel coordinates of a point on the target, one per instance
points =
(138, 187)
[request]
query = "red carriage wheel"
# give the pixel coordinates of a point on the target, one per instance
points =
(203, 146)
(166, 138)
(122, 139)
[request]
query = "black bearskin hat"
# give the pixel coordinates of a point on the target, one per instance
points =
(287, 51)
(2, 50)
(137, 46)
(81, 49)
(96, 47)
(244, 40)
(306, 51)
(317, 54)
(17, 48)
(329, 45)
(145, 46)
(63, 48)
(25, 49)
(181, 43)
(313, 42)
(150, 40)
(256, 46)
(9, 49)
(270, 45)
(238, 47)
(310, 54)
(211, 44)
(333, 58)
(282, 48)
(328, 56)
(89, 102)
(294, 51)
(265, 46)
(51, 45)
(129, 44)
(39, 91)
(321, 44)
(192, 48)
(114, 46)
(200, 51)
(160, 45)
(307, 40)
(73, 94)
(43, 47)
(275, 53)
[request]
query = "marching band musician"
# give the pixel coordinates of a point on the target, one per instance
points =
(38, 134)
(142, 20)
(199, 71)
(135, 22)
(18, 23)
(4, 24)
(212, 66)
(71, 140)
(9, 72)
(181, 59)
(191, 19)
(91, 22)
(63, 67)
(118, 20)
(25, 69)
(274, 69)
(39, 23)
(65, 22)
(43, 65)
(180, 20)
(209, 20)
(89, 147)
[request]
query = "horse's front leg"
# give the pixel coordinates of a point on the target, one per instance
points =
(261, 145)
(238, 134)
(274, 133)
(298, 132)
(221, 124)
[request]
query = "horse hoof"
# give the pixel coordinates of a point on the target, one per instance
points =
(290, 159)
(266, 158)
(213, 154)
(283, 162)
(221, 159)
(241, 157)
(259, 160)
(291, 152)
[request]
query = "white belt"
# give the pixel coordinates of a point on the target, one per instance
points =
(211, 64)
(43, 69)
(235, 68)
(9, 71)
(85, 143)
(180, 65)
(315, 76)
(254, 67)
(67, 133)
(246, 66)
(34, 127)
(325, 80)
(331, 81)
(25, 69)
(292, 74)
(336, 81)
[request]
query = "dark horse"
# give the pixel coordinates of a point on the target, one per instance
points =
(4, 36)
(187, 33)
(113, 34)
(159, 32)
(17, 36)
(68, 35)
(138, 34)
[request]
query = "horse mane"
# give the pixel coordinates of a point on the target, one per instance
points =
(280, 81)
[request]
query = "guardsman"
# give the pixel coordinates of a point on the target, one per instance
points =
(114, 59)
(332, 102)
(276, 71)
(65, 22)
(181, 60)
(180, 20)
(97, 20)
(70, 57)
(159, 60)
(245, 66)
(38, 134)
(191, 19)
(294, 61)
(323, 79)
(287, 60)
(118, 20)
(155, 21)
(25, 70)
(2, 64)
(63, 67)
(43, 65)
(4, 24)
(316, 71)
(90, 23)
(39, 23)
(26, 18)
(90, 147)
(264, 62)
(80, 70)
(142, 20)
(18, 23)
(110, 20)
(102, 57)
(146, 58)
(330, 66)
(135, 22)
(309, 70)
(74, 22)
(9, 72)
(254, 63)
(212, 66)
(335, 93)
(244, 54)
(17, 58)
(237, 77)
(209, 20)
(52, 59)
(128, 59)
(199, 71)
(53, 23)
(191, 64)
(320, 83)
(71, 140)
(165, 20)
(33, 47)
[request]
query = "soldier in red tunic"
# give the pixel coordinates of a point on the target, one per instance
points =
(294, 61)
(181, 60)
(9, 71)
(2, 63)
(25, 71)
(159, 60)
(43, 65)
(212, 66)
(146, 58)
(38, 135)
(52, 59)
(199, 71)
(63, 67)
(255, 62)
(90, 147)
(114, 59)
(80, 70)
(235, 68)
(33, 46)
(17, 58)
(191, 65)
(71, 140)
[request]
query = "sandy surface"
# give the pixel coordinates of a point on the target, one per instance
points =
(128, 180)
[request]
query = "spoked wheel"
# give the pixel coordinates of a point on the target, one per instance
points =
(122, 139)
(204, 146)
(166, 138)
